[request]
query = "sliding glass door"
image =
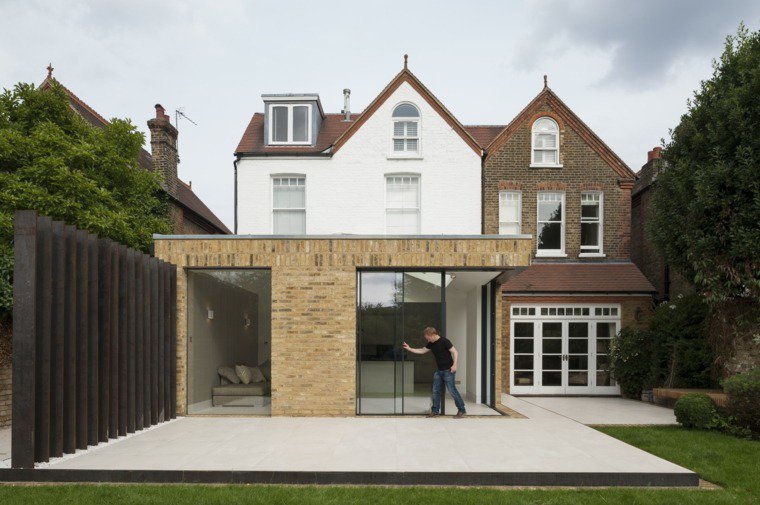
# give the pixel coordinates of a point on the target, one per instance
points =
(393, 308)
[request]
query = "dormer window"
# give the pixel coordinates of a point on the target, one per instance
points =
(545, 143)
(290, 124)
(406, 136)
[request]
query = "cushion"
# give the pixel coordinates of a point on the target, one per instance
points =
(252, 389)
(249, 374)
(228, 373)
(266, 370)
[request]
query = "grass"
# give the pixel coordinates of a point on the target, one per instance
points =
(729, 462)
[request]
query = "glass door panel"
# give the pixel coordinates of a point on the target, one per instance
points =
(604, 333)
(577, 355)
(551, 354)
(378, 318)
(523, 351)
(421, 297)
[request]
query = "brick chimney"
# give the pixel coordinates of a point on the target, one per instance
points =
(163, 147)
(654, 154)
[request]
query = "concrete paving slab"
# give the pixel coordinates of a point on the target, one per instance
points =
(601, 411)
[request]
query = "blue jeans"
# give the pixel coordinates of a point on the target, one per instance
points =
(441, 377)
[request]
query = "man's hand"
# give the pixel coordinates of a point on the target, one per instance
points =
(454, 368)
(406, 346)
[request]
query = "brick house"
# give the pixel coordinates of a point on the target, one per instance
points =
(548, 175)
(189, 215)
(643, 253)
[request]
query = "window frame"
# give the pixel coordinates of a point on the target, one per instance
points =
(273, 210)
(290, 141)
(406, 154)
(419, 199)
(533, 148)
(600, 238)
(548, 253)
(519, 210)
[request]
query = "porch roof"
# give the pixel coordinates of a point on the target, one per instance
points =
(579, 278)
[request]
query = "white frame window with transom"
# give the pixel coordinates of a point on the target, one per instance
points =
(288, 199)
(592, 224)
(562, 349)
(545, 143)
(547, 204)
(292, 135)
(405, 131)
(402, 204)
(510, 212)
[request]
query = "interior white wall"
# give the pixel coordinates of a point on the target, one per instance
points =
(456, 331)
(474, 345)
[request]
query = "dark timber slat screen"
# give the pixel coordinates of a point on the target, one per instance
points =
(94, 340)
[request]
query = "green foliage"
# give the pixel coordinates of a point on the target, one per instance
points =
(54, 162)
(632, 360)
(684, 358)
(707, 199)
(695, 410)
(744, 399)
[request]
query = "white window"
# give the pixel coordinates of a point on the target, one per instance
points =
(591, 223)
(510, 204)
(289, 124)
(406, 135)
(550, 232)
(545, 143)
(402, 205)
(289, 205)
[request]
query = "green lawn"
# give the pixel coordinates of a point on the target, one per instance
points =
(732, 463)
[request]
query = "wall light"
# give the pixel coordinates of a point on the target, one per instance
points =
(247, 322)
(210, 314)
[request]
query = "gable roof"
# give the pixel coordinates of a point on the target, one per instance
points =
(185, 196)
(407, 76)
(335, 132)
(547, 96)
(580, 278)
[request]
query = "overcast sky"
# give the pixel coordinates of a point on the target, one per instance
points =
(625, 67)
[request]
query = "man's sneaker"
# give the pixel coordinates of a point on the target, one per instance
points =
(432, 414)
(460, 414)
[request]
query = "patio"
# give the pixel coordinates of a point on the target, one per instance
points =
(543, 448)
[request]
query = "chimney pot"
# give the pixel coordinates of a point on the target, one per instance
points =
(346, 104)
(654, 154)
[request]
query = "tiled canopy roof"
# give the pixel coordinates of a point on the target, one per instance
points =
(579, 277)
(186, 197)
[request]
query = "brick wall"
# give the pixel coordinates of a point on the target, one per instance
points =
(583, 169)
(314, 303)
(629, 307)
(6, 390)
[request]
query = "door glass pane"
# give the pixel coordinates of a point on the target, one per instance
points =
(577, 358)
(604, 333)
(378, 314)
(551, 359)
(421, 307)
(523, 354)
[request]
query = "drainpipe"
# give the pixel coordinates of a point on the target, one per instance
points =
(483, 192)
(234, 164)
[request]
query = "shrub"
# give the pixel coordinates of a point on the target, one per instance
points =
(631, 360)
(695, 410)
(744, 399)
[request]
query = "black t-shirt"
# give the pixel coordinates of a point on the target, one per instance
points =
(441, 352)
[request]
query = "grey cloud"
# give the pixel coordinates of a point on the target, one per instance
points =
(644, 39)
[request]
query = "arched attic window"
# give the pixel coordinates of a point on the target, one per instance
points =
(406, 135)
(545, 135)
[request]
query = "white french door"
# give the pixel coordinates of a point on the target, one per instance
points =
(562, 354)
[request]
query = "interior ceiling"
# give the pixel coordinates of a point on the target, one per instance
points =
(254, 280)
(466, 281)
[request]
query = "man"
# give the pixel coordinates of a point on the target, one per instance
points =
(446, 360)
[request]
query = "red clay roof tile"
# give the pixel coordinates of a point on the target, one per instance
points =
(579, 277)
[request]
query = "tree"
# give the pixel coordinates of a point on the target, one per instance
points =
(54, 162)
(706, 217)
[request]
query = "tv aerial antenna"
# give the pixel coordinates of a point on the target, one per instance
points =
(180, 113)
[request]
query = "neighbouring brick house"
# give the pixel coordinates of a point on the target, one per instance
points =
(643, 252)
(548, 175)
